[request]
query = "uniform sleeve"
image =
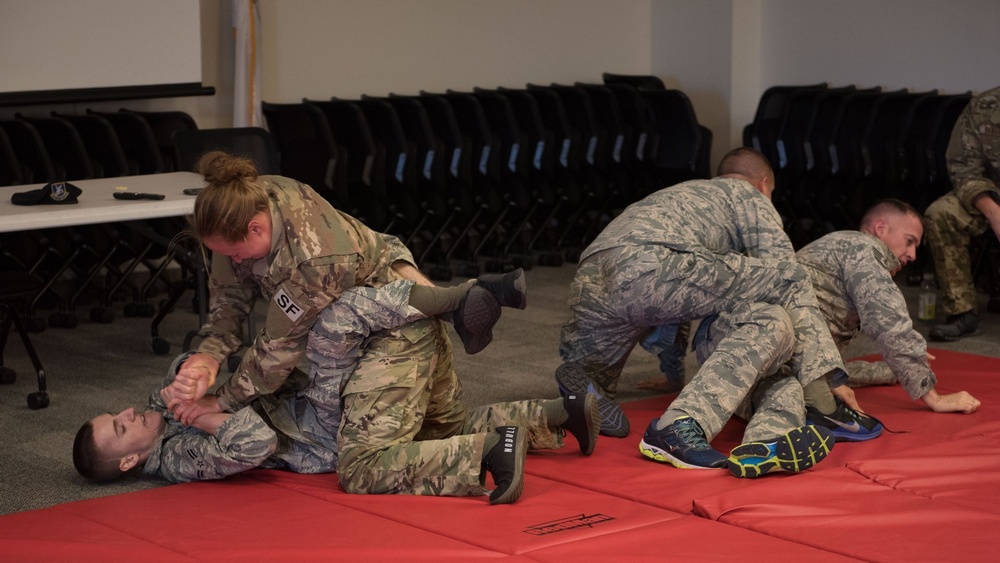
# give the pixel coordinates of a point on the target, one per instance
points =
(885, 319)
(967, 163)
(243, 442)
(761, 230)
(291, 314)
(230, 303)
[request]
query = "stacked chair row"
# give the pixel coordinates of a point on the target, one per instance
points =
(62, 268)
(837, 150)
(492, 178)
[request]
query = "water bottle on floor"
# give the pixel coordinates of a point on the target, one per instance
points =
(927, 304)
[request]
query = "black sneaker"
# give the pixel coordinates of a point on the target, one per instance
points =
(505, 462)
(572, 380)
(509, 289)
(584, 421)
(955, 327)
(846, 424)
(796, 451)
(474, 319)
(681, 444)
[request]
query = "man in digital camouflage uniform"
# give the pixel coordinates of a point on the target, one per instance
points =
(687, 252)
(968, 210)
(851, 273)
(287, 429)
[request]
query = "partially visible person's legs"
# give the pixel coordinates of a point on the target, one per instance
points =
(776, 438)
(735, 349)
(403, 428)
(669, 343)
(949, 228)
(620, 293)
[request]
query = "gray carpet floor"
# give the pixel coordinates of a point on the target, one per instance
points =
(97, 368)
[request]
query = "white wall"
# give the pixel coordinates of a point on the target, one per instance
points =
(345, 48)
(692, 52)
(722, 53)
(952, 46)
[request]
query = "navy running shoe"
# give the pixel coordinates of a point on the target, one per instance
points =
(572, 380)
(681, 444)
(846, 424)
(796, 451)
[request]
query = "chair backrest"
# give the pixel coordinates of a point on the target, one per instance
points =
(35, 163)
(254, 143)
(306, 147)
(680, 136)
(103, 145)
(137, 140)
(164, 124)
(65, 147)
(10, 170)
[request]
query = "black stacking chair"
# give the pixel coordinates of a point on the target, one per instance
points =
(683, 143)
(486, 156)
(469, 196)
(360, 171)
(791, 164)
(10, 169)
(18, 288)
(107, 155)
(542, 148)
(433, 182)
(308, 151)
(412, 208)
(881, 145)
(641, 120)
(34, 161)
(840, 193)
(164, 125)
(515, 179)
(254, 143)
(65, 147)
(137, 141)
(760, 133)
(578, 187)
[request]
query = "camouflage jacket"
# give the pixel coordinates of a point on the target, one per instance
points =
(278, 431)
(719, 215)
(850, 274)
(317, 253)
(974, 150)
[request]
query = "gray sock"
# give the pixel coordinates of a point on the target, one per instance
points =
(818, 396)
(669, 417)
(555, 412)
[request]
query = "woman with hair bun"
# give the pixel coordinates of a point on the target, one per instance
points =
(276, 239)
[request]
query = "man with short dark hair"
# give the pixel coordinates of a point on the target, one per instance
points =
(697, 249)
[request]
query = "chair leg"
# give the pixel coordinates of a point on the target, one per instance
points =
(39, 399)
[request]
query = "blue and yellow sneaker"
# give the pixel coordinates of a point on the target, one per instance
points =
(573, 381)
(682, 444)
(796, 451)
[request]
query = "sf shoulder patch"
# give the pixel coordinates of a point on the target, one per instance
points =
(287, 305)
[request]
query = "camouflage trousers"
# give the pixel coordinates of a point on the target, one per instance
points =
(618, 295)
(740, 353)
(404, 430)
(949, 229)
